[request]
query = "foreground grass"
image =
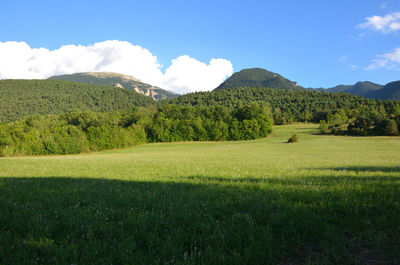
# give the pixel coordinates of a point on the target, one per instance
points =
(324, 200)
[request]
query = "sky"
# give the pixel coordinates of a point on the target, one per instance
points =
(186, 46)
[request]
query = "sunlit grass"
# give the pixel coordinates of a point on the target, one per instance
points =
(323, 200)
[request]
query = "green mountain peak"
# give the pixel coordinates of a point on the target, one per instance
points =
(257, 77)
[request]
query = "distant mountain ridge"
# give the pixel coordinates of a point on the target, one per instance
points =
(389, 91)
(371, 90)
(257, 77)
(360, 88)
(118, 80)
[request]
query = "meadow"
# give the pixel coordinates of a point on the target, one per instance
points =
(324, 200)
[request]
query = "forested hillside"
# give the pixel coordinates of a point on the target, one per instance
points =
(286, 105)
(370, 90)
(342, 113)
(118, 80)
(359, 88)
(389, 91)
(257, 77)
(19, 98)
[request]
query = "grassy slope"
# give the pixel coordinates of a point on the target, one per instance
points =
(324, 200)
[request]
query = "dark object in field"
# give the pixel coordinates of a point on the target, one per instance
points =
(293, 139)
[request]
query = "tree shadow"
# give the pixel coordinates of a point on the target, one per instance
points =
(199, 220)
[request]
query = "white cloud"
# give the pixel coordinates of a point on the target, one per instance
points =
(185, 74)
(188, 72)
(389, 60)
(386, 24)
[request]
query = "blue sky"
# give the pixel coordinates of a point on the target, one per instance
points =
(316, 43)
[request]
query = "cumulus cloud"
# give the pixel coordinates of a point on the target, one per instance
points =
(389, 60)
(185, 74)
(386, 24)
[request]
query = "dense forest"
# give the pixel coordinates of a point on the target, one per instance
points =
(84, 131)
(19, 98)
(117, 80)
(78, 118)
(361, 116)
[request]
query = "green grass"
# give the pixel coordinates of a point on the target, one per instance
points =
(323, 200)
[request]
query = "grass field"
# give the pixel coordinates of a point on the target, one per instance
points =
(323, 200)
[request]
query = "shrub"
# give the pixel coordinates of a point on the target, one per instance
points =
(324, 127)
(293, 139)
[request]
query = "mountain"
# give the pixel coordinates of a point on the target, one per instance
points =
(370, 90)
(19, 98)
(359, 88)
(389, 91)
(257, 77)
(339, 88)
(118, 80)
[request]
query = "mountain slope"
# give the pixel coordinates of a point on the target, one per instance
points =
(118, 80)
(339, 88)
(257, 77)
(389, 91)
(19, 98)
(359, 88)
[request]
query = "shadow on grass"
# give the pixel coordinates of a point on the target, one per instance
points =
(97, 221)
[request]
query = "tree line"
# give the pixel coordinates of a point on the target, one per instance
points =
(338, 113)
(84, 131)
(115, 118)
(364, 121)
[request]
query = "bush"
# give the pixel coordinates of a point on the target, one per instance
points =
(324, 127)
(293, 139)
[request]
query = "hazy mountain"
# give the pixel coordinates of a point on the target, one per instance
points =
(359, 88)
(339, 88)
(257, 77)
(118, 80)
(389, 91)
(371, 90)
